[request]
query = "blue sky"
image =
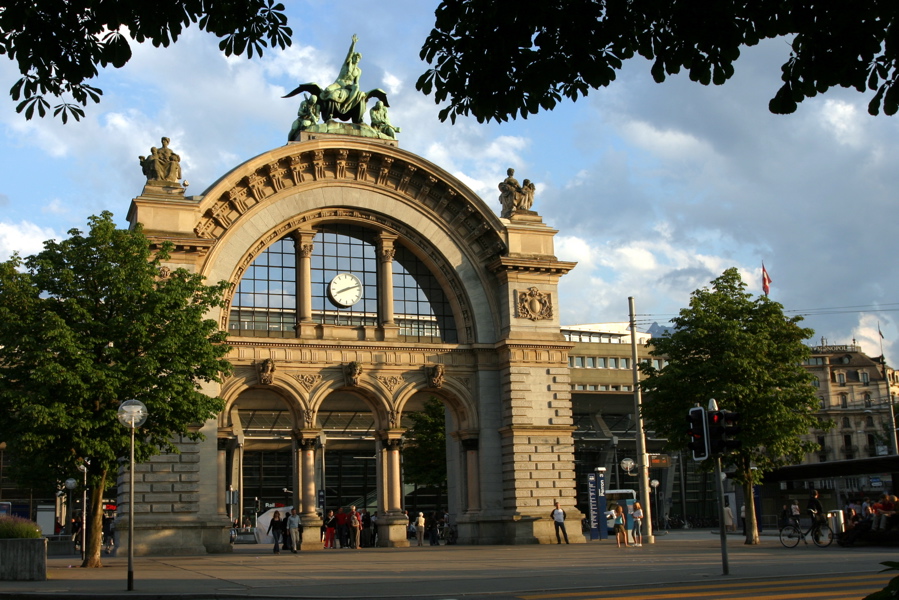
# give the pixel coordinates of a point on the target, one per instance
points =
(655, 188)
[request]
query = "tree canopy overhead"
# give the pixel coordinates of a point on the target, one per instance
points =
(58, 44)
(495, 60)
(744, 353)
(85, 324)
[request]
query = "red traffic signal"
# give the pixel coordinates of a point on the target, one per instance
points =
(699, 433)
(722, 427)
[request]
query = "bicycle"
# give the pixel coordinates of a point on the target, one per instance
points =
(821, 533)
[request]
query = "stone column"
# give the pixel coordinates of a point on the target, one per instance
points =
(392, 525)
(303, 243)
(222, 476)
(310, 519)
(386, 252)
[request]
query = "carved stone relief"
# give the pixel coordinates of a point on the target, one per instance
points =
(436, 376)
(351, 373)
(265, 371)
(535, 305)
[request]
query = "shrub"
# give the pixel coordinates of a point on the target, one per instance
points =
(17, 527)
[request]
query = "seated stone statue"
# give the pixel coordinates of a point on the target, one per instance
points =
(162, 165)
(514, 197)
(307, 115)
(381, 122)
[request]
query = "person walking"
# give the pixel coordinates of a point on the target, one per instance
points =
(729, 523)
(638, 524)
(275, 529)
(293, 530)
(558, 517)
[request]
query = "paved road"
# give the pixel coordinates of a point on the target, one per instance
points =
(573, 572)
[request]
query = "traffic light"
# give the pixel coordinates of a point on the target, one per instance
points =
(699, 433)
(722, 427)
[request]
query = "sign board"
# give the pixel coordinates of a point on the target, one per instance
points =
(660, 461)
(596, 488)
(875, 482)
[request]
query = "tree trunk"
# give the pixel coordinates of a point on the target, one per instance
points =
(752, 530)
(95, 530)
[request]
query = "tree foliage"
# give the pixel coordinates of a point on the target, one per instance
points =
(84, 325)
(496, 60)
(59, 44)
(424, 459)
(743, 352)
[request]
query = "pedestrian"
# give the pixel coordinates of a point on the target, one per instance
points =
(293, 530)
(342, 529)
(420, 528)
(433, 529)
(275, 529)
(795, 513)
(330, 529)
(743, 517)
(729, 523)
(638, 524)
(354, 522)
(558, 517)
(814, 507)
(620, 530)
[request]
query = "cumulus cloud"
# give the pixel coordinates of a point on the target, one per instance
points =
(24, 237)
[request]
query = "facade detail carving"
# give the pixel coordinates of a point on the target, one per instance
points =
(391, 382)
(393, 418)
(436, 376)
(307, 380)
(309, 418)
(266, 371)
(164, 272)
(351, 373)
(535, 305)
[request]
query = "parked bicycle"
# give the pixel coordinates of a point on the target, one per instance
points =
(821, 533)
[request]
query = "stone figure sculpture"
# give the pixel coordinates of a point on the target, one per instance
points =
(343, 99)
(514, 197)
(307, 115)
(381, 122)
(162, 166)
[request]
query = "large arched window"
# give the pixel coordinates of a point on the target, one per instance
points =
(344, 259)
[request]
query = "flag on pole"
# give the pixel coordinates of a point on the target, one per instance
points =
(879, 332)
(766, 281)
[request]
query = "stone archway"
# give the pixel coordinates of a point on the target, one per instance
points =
(482, 332)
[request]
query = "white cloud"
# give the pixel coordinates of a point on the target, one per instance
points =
(25, 238)
(843, 120)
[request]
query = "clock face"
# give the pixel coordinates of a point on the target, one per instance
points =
(345, 290)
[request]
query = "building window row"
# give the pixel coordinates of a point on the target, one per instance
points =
(584, 387)
(601, 362)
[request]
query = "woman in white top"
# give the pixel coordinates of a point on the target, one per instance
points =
(638, 524)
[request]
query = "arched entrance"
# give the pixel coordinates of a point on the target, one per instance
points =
(365, 280)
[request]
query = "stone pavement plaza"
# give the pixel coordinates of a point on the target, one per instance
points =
(252, 571)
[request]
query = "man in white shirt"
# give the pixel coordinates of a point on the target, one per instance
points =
(558, 516)
(293, 529)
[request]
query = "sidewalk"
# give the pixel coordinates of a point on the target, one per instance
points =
(252, 571)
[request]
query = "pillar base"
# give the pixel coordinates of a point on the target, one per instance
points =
(392, 531)
(311, 539)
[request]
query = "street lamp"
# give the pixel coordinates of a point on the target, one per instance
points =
(131, 414)
(83, 468)
(655, 492)
(70, 485)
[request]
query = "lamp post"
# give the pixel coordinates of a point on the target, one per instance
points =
(131, 414)
(83, 468)
(655, 492)
(2, 450)
(70, 485)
